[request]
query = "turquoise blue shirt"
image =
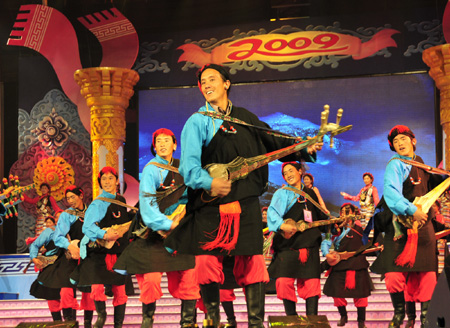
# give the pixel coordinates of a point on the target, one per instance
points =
(152, 177)
(281, 203)
(43, 239)
(197, 133)
(65, 221)
(396, 173)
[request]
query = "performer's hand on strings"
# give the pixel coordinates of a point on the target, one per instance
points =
(174, 224)
(74, 251)
(420, 216)
(111, 235)
(38, 263)
(314, 147)
(220, 187)
(289, 229)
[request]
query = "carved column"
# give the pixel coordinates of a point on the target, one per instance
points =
(107, 91)
(438, 59)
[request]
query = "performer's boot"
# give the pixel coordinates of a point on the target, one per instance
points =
(68, 314)
(119, 315)
(211, 299)
(56, 316)
(344, 317)
(289, 307)
(361, 316)
(312, 305)
(255, 297)
(100, 307)
(148, 313)
(188, 313)
(88, 318)
(74, 314)
(398, 302)
(411, 314)
(423, 313)
(229, 311)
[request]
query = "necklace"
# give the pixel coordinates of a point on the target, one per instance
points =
(419, 180)
(172, 183)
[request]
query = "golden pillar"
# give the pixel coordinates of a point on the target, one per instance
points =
(107, 91)
(438, 59)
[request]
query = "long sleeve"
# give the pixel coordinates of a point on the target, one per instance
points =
(95, 213)
(30, 200)
(65, 221)
(197, 133)
(282, 201)
(353, 198)
(376, 197)
(44, 238)
(152, 177)
(55, 206)
(396, 173)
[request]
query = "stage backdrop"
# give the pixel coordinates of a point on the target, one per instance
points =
(373, 105)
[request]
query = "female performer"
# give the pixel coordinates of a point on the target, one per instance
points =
(308, 180)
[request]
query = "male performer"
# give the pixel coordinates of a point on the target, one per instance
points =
(146, 256)
(408, 262)
(223, 218)
(349, 278)
(67, 236)
(96, 269)
(297, 256)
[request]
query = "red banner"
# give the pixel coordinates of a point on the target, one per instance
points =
(289, 47)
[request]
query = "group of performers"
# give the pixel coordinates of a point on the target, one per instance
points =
(203, 229)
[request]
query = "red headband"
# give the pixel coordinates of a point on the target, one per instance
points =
(395, 131)
(369, 174)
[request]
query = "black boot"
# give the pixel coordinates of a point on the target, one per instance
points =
(74, 314)
(361, 317)
(100, 307)
(88, 318)
(344, 317)
(211, 300)
(229, 311)
(188, 313)
(411, 314)
(68, 314)
(255, 297)
(56, 316)
(312, 305)
(119, 315)
(148, 312)
(289, 307)
(423, 314)
(398, 302)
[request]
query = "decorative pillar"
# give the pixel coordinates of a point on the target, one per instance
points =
(438, 59)
(107, 91)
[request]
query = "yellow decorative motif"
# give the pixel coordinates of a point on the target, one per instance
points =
(438, 59)
(107, 91)
(57, 173)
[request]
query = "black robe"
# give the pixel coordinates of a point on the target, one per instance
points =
(200, 224)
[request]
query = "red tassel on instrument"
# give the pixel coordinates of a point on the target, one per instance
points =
(408, 256)
(350, 281)
(228, 229)
(303, 255)
(110, 260)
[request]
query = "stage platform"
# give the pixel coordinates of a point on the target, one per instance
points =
(24, 309)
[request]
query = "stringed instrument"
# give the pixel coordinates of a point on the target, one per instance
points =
(424, 203)
(303, 225)
(240, 167)
(334, 258)
(176, 216)
(121, 229)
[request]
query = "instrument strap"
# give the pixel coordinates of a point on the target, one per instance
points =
(228, 118)
(308, 197)
(117, 202)
(164, 166)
